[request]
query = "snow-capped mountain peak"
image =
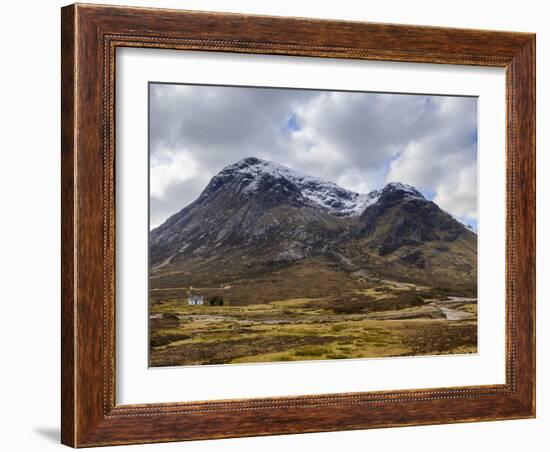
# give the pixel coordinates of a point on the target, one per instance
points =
(315, 191)
(408, 190)
(283, 215)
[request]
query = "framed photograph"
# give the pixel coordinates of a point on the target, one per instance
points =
(281, 225)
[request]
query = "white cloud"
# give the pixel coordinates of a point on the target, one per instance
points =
(458, 194)
(444, 162)
(178, 167)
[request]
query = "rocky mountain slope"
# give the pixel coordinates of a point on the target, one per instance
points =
(257, 217)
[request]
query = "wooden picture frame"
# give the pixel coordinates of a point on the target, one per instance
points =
(90, 35)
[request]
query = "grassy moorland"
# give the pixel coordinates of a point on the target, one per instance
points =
(363, 319)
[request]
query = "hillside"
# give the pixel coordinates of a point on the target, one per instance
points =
(259, 227)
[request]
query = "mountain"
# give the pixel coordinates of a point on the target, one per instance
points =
(256, 218)
(250, 203)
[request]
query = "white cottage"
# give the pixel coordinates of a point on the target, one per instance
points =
(195, 300)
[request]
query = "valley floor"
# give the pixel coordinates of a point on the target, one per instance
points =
(388, 319)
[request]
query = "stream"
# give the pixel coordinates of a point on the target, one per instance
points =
(447, 308)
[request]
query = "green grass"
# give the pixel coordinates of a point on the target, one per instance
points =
(345, 325)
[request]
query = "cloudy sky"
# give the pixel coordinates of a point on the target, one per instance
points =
(361, 141)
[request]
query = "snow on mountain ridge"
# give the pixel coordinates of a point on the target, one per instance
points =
(319, 192)
(409, 190)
